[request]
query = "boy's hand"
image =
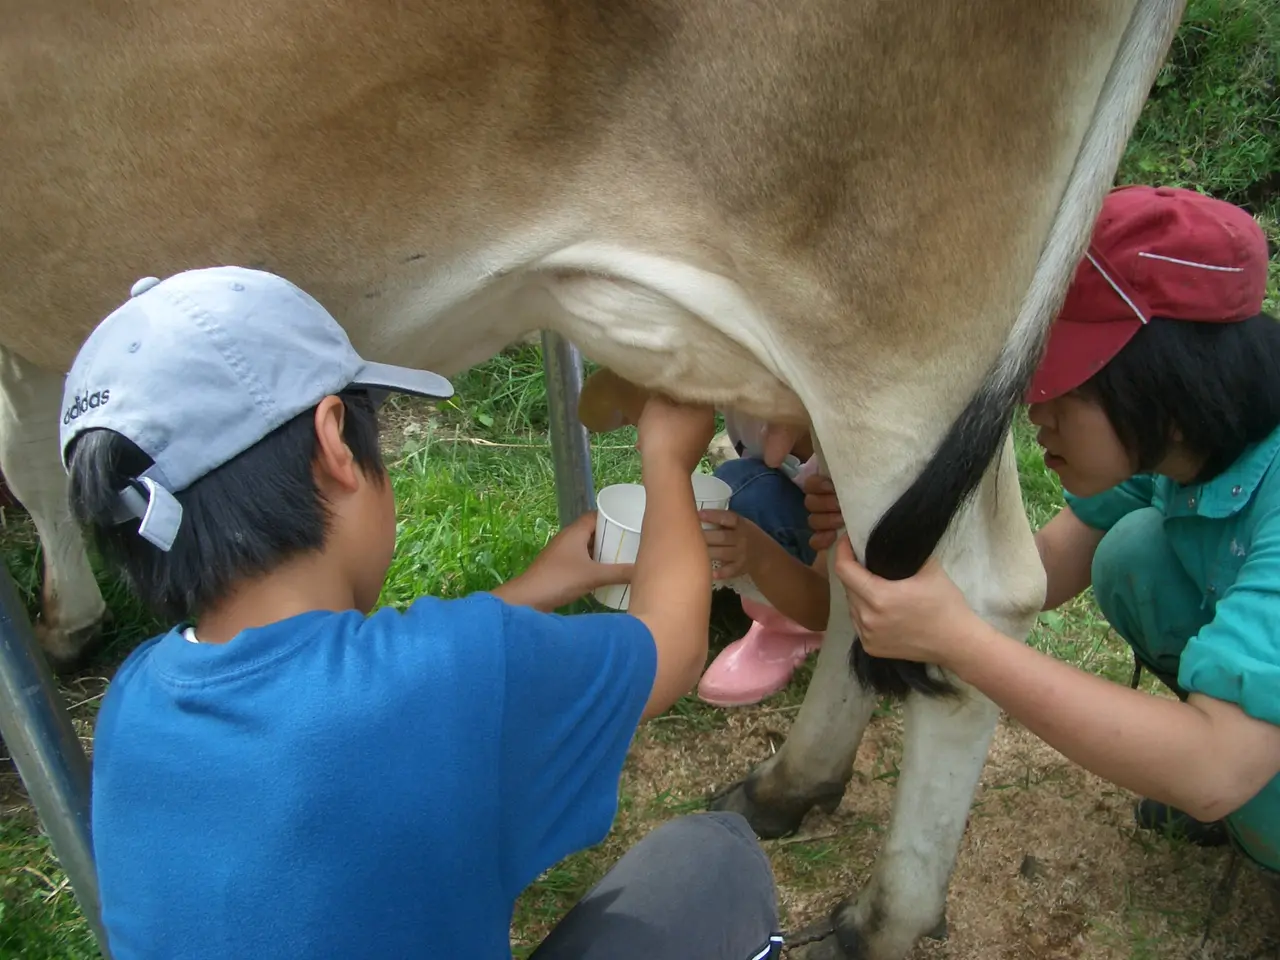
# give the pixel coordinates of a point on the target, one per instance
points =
(824, 511)
(730, 545)
(564, 571)
(675, 431)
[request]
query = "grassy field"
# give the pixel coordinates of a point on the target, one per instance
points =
(1050, 865)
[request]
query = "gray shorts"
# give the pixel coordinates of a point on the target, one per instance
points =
(697, 888)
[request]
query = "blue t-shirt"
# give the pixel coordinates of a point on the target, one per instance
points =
(341, 786)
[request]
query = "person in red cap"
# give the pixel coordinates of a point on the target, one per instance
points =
(1158, 406)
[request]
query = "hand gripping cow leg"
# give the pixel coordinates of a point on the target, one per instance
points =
(993, 560)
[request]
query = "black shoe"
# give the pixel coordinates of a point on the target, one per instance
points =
(1152, 815)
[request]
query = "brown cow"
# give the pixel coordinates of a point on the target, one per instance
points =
(856, 213)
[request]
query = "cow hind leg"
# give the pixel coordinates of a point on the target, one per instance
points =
(72, 607)
(815, 764)
(992, 558)
(875, 445)
(904, 899)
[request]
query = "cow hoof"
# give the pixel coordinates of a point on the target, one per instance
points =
(837, 937)
(772, 815)
(68, 653)
(939, 932)
(821, 941)
(826, 948)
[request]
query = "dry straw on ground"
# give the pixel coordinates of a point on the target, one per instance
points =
(1050, 866)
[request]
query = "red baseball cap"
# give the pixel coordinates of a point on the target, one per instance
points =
(1156, 252)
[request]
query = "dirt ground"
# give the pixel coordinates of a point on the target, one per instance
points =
(1050, 866)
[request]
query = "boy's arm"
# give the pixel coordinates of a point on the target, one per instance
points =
(671, 576)
(796, 590)
(563, 571)
(521, 591)
(671, 581)
(577, 686)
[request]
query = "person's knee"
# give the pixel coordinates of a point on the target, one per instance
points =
(754, 487)
(1124, 557)
(734, 824)
(1146, 594)
(718, 829)
(698, 885)
(724, 839)
(740, 472)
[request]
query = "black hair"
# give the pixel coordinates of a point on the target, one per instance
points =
(242, 519)
(1217, 384)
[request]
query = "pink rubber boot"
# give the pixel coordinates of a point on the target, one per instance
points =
(761, 662)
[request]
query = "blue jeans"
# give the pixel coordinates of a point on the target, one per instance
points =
(772, 501)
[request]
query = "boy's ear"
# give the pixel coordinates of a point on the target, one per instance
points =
(335, 464)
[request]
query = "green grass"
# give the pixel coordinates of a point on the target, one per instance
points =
(39, 917)
(1213, 119)
(474, 482)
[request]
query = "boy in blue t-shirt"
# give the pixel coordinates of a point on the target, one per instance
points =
(284, 773)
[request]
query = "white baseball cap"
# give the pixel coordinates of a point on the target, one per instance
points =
(197, 368)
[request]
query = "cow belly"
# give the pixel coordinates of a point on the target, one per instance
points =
(673, 328)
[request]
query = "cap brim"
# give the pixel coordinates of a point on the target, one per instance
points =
(1076, 351)
(421, 383)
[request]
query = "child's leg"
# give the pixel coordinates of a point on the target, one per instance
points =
(772, 501)
(1146, 595)
(1150, 601)
(762, 661)
(698, 886)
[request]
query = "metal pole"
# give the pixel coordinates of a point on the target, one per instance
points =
(570, 445)
(37, 730)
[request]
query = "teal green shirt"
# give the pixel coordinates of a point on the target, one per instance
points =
(1226, 534)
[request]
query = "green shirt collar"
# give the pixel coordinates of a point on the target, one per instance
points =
(1230, 490)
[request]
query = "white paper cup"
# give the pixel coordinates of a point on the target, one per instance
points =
(710, 493)
(619, 516)
(620, 512)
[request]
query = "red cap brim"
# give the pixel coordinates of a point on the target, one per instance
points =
(1077, 351)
